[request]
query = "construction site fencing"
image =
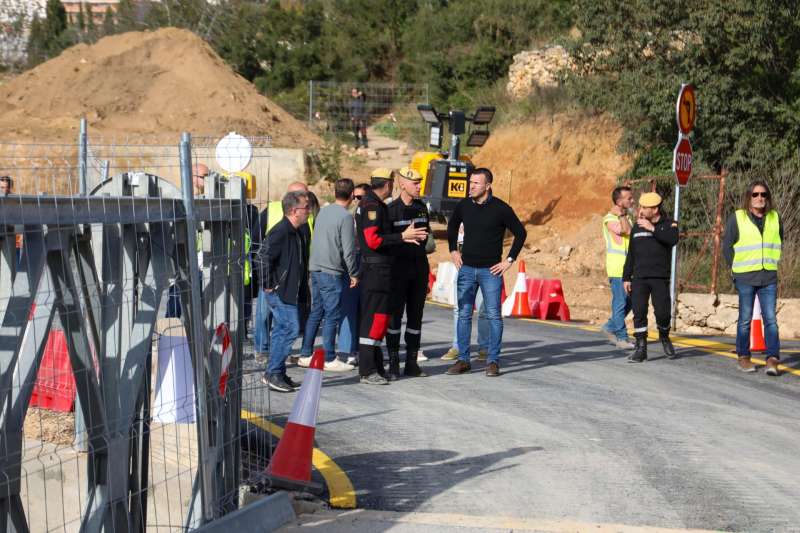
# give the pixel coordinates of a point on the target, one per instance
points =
(131, 396)
(391, 109)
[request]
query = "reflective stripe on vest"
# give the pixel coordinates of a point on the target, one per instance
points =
(247, 266)
(755, 251)
(615, 253)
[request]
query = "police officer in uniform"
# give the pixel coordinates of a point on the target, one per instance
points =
(409, 274)
(647, 271)
(376, 238)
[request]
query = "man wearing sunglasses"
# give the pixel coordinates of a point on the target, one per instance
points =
(752, 246)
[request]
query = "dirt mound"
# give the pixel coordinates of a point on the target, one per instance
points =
(142, 84)
(556, 170)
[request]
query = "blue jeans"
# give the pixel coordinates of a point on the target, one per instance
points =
(483, 325)
(285, 330)
(620, 307)
(326, 303)
(469, 280)
(348, 328)
(768, 299)
(262, 323)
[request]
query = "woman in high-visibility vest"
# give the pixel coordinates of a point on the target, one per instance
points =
(752, 247)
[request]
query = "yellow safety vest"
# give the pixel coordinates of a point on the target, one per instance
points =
(755, 251)
(615, 253)
(275, 214)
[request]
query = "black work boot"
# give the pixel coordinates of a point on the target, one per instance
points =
(666, 344)
(639, 354)
(394, 366)
(412, 368)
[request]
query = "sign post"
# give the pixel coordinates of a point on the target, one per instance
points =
(685, 116)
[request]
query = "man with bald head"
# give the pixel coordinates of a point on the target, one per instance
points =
(199, 175)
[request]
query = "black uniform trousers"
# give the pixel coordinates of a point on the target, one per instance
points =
(657, 290)
(409, 288)
(375, 283)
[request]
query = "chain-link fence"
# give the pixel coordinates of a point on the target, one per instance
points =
(388, 109)
(124, 362)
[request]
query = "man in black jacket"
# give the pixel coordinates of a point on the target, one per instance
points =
(285, 280)
(647, 271)
(480, 263)
(376, 237)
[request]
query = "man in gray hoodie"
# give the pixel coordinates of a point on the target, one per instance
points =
(333, 267)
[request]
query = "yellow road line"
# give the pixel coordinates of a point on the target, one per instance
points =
(708, 346)
(341, 491)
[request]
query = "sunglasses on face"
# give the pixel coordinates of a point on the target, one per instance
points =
(761, 194)
(358, 196)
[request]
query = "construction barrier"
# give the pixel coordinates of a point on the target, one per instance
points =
(444, 288)
(552, 304)
(55, 383)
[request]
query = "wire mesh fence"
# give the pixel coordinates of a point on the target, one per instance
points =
(341, 108)
(123, 324)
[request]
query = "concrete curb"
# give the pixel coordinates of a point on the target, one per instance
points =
(267, 514)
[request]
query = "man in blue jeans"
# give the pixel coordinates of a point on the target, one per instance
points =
(617, 235)
(480, 263)
(752, 246)
(333, 267)
(284, 265)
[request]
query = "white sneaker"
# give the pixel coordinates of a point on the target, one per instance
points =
(305, 362)
(337, 366)
(421, 356)
(624, 344)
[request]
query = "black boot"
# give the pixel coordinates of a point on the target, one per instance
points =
(666, 344)
(639, 354)
(412, 368)
(394, 366)
(377, 357)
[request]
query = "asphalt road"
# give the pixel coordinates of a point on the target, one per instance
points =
(570, 433)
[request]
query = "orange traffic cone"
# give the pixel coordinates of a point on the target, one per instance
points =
(517, 304)
(290, 465)
(757, 343)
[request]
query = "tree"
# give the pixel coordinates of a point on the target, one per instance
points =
(48, 37)
(108, 22)
(743, 56)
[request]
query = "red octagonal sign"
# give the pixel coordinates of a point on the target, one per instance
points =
(682, 161)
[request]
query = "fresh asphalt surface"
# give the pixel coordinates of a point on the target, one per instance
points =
(570, 432)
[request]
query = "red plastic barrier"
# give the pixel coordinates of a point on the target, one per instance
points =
(535, 295)
(552, 304)
(55, 384)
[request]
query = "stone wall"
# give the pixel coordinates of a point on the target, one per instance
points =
(713, 315)
(536, 69)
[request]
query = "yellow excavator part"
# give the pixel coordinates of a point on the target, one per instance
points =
(421, 162)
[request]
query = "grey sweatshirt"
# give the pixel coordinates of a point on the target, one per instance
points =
(334, 242)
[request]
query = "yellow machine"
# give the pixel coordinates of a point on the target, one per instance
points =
(445, 175)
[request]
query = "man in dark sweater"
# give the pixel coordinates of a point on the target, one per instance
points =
(480, 263)
(647, 271)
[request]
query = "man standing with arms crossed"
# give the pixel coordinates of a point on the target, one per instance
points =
(376, 237)
(480, 263)
(617, 235)
(409, 274)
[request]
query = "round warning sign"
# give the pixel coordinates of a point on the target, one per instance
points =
(233, 153)
(686, 110)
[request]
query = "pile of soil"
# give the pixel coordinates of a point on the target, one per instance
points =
(143, 85)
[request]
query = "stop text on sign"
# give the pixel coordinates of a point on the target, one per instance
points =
(682, 161)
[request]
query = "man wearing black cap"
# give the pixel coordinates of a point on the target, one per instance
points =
(376, 237)
(409, 274)
(647, 271)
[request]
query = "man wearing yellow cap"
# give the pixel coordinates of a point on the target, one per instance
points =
(409, 274)
(647, 271)
(376, 238)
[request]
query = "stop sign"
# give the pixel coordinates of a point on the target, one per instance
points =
(682, 161)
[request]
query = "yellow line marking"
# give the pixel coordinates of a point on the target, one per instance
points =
(340, 489)
(708, 346)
